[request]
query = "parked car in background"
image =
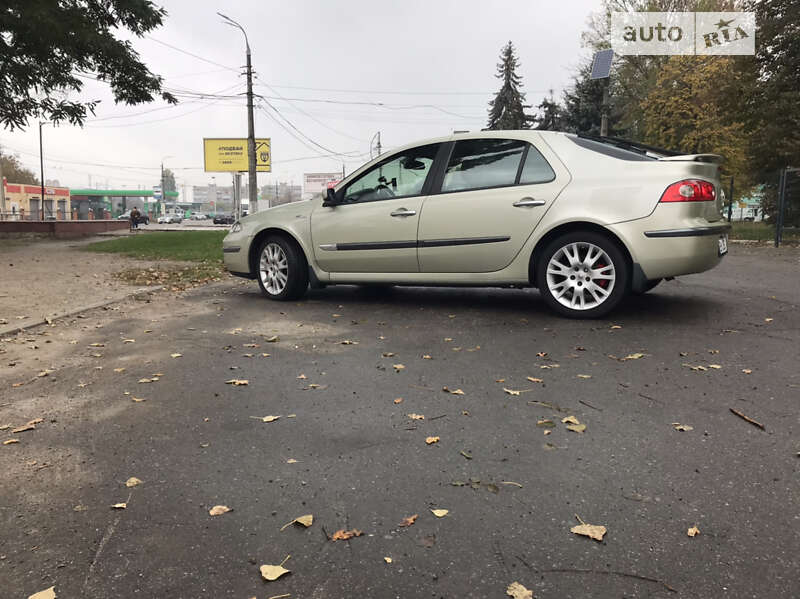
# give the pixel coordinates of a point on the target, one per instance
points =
(585, 219)
(170, 218)
(199, 216)
(224, 219)
(143, 218)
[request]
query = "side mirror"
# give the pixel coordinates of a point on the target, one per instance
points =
(330, 199)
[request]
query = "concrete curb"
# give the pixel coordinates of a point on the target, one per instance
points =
(142, 291)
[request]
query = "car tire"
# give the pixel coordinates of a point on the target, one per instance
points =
(568, 284)
(281, 269)
(648, 285)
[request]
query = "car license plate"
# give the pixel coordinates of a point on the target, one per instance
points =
(723, 245)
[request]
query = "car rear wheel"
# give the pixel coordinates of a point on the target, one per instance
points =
(282, 270)
(582, 275)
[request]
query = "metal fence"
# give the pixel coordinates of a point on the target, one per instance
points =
(787, 214)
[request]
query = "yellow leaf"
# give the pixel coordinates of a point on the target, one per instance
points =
(682, 427)
(237, 382)
(265, 418)
(306, 520)
(218, 510)
(348, 342)
(344, 535)
(768, 319)
(416, 416)
(499, 380)
(129, 340)
(119, 370)
(145, 381)
(120, 506)
(517, 591)
(265, 355)
(693, 531)
(10, 441)
(584, 376)
(138, 399)
(715, 366)
(388, 354)
(45, 594)
(432, 440)
(301, 377)
(452, 391)
(545, 423)
(511, 391)
(409, 520)
(615, 326)
(440, 513)
(592, 531)
(632, 357)
(388, 560)
(448, 339)
(291, 461)
(576, 428)
(273, 572)
(273, 339)
(175, 355)
(570, 420)
(426, 357)
(747, 371)
(132, 482)
(398, 367)
(398, 400)
(97, 345)
(533, 379)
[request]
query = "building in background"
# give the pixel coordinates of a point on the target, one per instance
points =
(318, 183)
(277, 193)
(23, 202)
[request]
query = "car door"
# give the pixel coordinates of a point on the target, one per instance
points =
(374, 227)
(491, 195)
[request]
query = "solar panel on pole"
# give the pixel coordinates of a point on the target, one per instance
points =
(601, 64)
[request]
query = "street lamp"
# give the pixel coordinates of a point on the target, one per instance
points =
(252, 179)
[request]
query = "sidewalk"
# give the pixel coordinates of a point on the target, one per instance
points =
(43, 278)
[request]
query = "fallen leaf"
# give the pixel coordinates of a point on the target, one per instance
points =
(747, 370)
(593, 531)
(306, 521)
(517, 591)
(398, 367)
(348, 342)
(250, 345)
(499, 380)
(120, 506)
(302, 377)
(576, 428)
(682, 427)
(291, 461)
(570, 420)
(768, 319)
(129, 340)
(270, 572)
(440, 513)
(631, 357)
(615, 326)
(344, 535)
(388, 354)
(693, 531)
(545, 423)
(697, 368)
(265, 418)
(132, 482)
(388, 560)
(448, 339)
(511, 391)
(45, 594)
(431, 440)
(10, 441)
(416, 416)
(466, 455)
(453, 391)
(265, 355)
(426, 357)
(409, 520)
(138, 399)
(97, 345)
(218, 510)
(237, 382)
(584, 376)
(273, 339)
(715, 366)
(533, 379)
(119, 370)
(145, 380)
(510, 482)
(29, 426)
(398, 400)
(175, 355)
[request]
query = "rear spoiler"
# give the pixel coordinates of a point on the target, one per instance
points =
(712, 158)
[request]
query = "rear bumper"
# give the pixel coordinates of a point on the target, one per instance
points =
(690, 232)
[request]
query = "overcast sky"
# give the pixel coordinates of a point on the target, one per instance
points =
(404, 54)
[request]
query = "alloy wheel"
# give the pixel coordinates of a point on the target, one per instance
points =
(274, 269)
(580, 276)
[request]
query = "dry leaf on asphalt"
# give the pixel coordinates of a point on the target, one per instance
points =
(440, 513)
(10, 441)
(119, 370)
(545, 423)
(388, 560)
(301, 377)
(452, 391)
(715, 366)
(592, 531)
(29, 426)
(576, 428)
(129, 340)
(270, 572)
(265, 418)
(291, 461)
(120, 506)
(584, 376)
(747, 371)
(45, 594)
(517, 591)
(97, 345)
(416, 416)
(138, 399)
(432, 440)
(273, 339)
(344, 535)
(398, 400)
(388, 354)
(348, 342)
(615, 326)
(306, 521)
(512, 391)
(768, 319)
(218, 510)
(698, 368)
(426, 357)
(175, 355)
(682, 427)
(533, 379)
(570, 420)
(636, 356)
(237, 382)
(398, 367)
(132, 482)
(693, 531)
(409, 520)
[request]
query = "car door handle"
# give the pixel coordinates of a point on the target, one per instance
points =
(403, 212)
(529, 202)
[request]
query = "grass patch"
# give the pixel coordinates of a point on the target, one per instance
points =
(189, 246)
(761, 232)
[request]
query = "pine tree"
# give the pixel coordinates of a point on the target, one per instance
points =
(583, 104)
(551, 116)
(507, 110)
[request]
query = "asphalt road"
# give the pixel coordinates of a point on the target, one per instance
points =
(347, 453)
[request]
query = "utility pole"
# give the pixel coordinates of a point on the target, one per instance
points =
(378, 145)
(252, 186)
(2, 193)
(41, 168)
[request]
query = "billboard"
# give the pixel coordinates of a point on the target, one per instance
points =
(229, 155)
(319, 182)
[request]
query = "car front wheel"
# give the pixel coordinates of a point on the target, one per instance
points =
(282, 270)
(582, 275)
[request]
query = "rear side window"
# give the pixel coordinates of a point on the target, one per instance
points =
(482, 163)
(536, 168)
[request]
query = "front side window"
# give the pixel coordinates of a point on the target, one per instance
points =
(481, 163)
(402, 176)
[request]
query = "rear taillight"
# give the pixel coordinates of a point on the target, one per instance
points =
(689, 190)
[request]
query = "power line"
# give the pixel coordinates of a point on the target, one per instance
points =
(191, 54)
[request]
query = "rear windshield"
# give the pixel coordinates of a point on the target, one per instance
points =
(608, 150)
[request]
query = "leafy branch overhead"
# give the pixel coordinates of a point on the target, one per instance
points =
(48, 49)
